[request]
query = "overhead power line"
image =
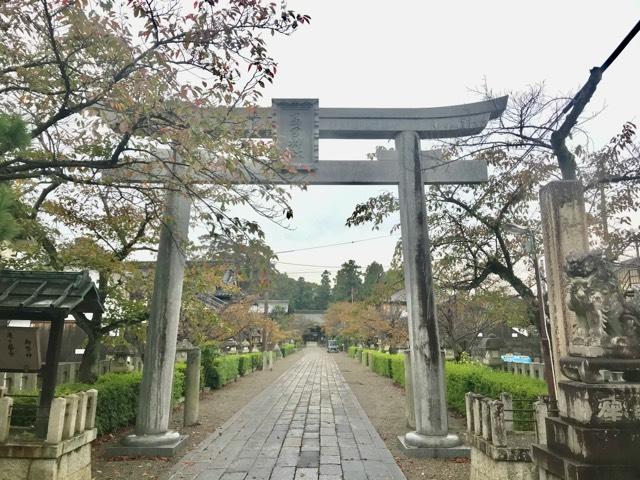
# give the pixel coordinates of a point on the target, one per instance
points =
(307, 265)
(336, 244)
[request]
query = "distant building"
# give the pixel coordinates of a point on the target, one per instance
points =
(272, 305)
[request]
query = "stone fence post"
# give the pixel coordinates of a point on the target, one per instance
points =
(6, 407)
(485, 418)
(498, 428)
(507, 402)
(192, 387)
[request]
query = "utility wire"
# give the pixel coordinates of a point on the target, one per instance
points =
(336, 244)
(307, 265)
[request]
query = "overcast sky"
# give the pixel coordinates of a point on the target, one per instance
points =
(405, 53)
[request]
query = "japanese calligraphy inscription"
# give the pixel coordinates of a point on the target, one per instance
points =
(20, 349)
(296, 122)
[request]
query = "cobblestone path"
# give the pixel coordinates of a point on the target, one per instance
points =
(306, 425)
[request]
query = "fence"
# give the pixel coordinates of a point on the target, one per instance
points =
(69, 416)
(499, 451)
(15, 382)
(533, 369)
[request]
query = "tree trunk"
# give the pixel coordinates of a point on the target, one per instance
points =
(88, 372)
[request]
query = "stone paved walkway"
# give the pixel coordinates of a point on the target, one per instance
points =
(306, 425)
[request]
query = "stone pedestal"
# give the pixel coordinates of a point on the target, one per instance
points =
(596, 344)
(598, 438)
(67, 460)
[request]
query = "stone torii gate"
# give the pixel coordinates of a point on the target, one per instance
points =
(298, 124)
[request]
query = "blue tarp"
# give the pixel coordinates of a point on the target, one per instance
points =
(511, 358)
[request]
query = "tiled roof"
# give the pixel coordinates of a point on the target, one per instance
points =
(32, 295)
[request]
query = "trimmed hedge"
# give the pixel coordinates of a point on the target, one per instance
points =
(288, 349)
(256, 360)
(244, 364)
(118, 397)
(461, 378)
(397, 369)
(208, 353)
(381, 363)
(225, 370)
(470, 377)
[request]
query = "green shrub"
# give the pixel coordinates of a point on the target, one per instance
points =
(118, 397)
(25, 408)
(397, 369)
(245, 364)
(287, 349)
(178, 382)
(381, 363)
(117, 400)
(470, 377)
(352, 351)
(461, 378)
(225, 370)
(256, 360)
(208, 354)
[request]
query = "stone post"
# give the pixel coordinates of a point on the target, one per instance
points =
(71, 412)
(498, 430)
(564, 228)
(409, 409)
(152, 435)
(56, 420)
(486, 418)
(92, 404)
(81, 417)
(192, 388)
(6, 405)
(468, 403)
(540, 414)
(432, 430)
(507, 403)
(477, 414)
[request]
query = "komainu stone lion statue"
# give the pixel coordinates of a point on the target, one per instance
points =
(605, 317)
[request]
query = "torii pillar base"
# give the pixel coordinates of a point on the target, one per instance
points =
(448, 446)
(168, 444)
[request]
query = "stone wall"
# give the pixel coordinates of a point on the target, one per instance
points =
(497, 453)
(72, 461)
(484, 467)
(65, 451)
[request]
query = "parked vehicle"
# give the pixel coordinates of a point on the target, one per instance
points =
(332, 346)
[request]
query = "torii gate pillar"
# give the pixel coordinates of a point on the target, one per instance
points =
(432, 437)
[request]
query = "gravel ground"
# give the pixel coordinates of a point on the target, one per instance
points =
(384, 403)
(216, 407)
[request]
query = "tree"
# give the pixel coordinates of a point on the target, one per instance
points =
(348, 282)
(470, 247)
(13, 134)
(105, 86)
(105, 232)
(323, 292)
(372, 277)
(101, 84)
(303, 295)
(463, 316)
(361, 322)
